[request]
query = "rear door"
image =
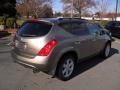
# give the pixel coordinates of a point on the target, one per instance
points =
(83, 39)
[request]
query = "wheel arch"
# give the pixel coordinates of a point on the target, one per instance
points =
(108, 42)
(63, 55)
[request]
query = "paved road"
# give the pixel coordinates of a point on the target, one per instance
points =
(95, 74)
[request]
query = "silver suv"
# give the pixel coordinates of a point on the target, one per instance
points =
(56, 45)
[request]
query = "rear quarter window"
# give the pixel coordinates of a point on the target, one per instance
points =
(34, 29)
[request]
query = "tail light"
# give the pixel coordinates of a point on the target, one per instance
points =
(47, 48)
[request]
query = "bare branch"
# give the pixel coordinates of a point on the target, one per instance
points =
(78, 5)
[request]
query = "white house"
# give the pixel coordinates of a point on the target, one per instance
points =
(108, 19)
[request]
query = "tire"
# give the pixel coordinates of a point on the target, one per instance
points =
(66, 67)
(106, 52)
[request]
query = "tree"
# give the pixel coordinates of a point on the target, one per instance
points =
(47, 11)
(78, 5)
(58, 14)
(32, 7)
(102, 7)
(7, 7)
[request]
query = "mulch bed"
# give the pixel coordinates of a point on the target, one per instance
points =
(12, 31)
(7, 32)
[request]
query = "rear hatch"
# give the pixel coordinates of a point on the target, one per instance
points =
(31, 37)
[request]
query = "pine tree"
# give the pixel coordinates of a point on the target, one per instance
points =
(7, 7)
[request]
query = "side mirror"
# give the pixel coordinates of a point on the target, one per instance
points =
(96, 34)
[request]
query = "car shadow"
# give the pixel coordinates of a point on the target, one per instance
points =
(4, 34)
(90, 63)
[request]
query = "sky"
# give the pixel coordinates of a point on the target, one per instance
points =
(112, 5)
(58, 6)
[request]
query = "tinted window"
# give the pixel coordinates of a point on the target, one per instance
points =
(66, 26)
(76, 28)
(79, 28)
(93, 28)
(33, 29)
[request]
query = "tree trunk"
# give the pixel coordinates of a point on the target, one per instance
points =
(80, 13)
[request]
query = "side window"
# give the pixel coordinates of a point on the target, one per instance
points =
(79, 28)
(93, 28)
(66, 26)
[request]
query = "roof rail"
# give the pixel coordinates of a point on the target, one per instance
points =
(66, 18)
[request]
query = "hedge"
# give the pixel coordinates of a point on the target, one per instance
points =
(101, 22)
(2, 20)
(20, 22)
(10, 22)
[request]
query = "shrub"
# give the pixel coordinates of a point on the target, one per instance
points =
(2, 20)
(10, 22)
(20, 22)
(103, 23)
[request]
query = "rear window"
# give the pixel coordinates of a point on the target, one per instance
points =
(34, 29)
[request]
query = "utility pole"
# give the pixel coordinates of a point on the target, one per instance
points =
(116, 11)
(72, 9)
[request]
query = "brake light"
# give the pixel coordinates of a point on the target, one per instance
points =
(47, 48)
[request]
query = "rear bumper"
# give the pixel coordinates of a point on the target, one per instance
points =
(38, 62)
